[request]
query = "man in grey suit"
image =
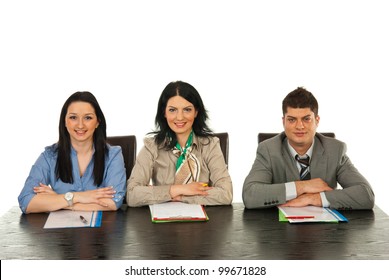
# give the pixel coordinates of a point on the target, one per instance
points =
(300, 167)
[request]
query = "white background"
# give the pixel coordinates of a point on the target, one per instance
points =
(242, 56)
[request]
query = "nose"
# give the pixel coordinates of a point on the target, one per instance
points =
(179, 115)
(80, 123)
(299, 124)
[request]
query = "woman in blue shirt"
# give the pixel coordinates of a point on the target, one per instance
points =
(81, 171)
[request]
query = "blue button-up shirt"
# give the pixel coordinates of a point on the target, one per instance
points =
(43, 171)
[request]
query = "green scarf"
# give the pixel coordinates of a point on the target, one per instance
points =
(181, 158)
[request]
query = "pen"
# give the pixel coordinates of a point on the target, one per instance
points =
(83, 219)
(300, 217)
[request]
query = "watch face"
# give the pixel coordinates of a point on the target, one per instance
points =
(69, 196)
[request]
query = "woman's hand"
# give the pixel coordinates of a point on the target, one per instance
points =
(94, 196)
(194, 188)
(44, 189)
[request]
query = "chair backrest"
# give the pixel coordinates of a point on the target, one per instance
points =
(263, 136)
(128, 144)
(224, 144)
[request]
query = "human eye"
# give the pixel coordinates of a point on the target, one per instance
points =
(307, 119)
(88, 118)
(188, 109)
(171, 110)
(291, 120)
(72, 117)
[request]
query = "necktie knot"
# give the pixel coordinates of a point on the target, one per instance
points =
(304, 164)
(303, 160)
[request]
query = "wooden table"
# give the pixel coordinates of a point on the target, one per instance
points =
(232, 232)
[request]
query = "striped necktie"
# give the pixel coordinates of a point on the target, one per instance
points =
(304, 172)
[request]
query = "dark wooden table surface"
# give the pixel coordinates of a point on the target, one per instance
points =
(231, 233)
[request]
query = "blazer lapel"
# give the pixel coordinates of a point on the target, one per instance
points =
(319, 161)
(291, 170)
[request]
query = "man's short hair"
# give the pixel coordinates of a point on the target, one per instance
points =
(300, 98)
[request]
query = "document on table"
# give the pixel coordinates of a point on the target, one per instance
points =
(309, 214)
(177, 212)
(72, 219)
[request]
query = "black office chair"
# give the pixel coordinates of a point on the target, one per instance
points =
(264, 136)
(224, 144)
(128, 145)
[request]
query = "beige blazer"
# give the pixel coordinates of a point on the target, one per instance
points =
(154, 173)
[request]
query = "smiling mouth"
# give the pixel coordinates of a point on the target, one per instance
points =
(180, 125)
(80, 132)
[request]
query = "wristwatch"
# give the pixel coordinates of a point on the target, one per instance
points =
(69, 198)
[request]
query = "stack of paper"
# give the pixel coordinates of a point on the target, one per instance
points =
(177, 212)
(71, 219)
(309, 214)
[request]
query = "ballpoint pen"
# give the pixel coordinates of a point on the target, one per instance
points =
(83, 219)
(300, 217)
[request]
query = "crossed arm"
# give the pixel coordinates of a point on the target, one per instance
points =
(308, 193)
(46, 199)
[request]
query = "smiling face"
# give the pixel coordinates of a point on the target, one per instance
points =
(300, 126)
(81, 122)
(180, 115)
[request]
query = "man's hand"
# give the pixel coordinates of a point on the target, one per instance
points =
(312, 186)
(305, 200)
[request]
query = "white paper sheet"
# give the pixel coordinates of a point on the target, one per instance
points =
(71, 219)
(177, 211)
(311, 214)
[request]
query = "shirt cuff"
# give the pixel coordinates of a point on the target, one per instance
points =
(290, 190)
(324, 201)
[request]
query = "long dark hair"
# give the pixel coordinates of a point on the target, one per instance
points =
(63, 167)
(165, 137)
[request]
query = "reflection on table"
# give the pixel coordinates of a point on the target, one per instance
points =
(232, 232)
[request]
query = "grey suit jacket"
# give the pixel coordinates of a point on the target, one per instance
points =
(274, 166)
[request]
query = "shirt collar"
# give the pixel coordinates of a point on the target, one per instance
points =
(294, 153)
(195, 144)
(195, 140)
